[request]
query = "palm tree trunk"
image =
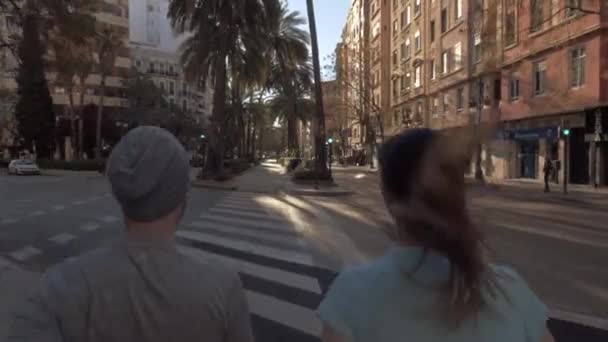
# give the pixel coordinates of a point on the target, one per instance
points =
(72, 123)
(215, 157)
(320, 150)
(248, 138)
(80, 122)
(102, 91)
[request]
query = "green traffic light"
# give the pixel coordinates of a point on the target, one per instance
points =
(330, 140)
(202, 136)
(566, 132)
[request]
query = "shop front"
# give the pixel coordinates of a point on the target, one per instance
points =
(533, 145)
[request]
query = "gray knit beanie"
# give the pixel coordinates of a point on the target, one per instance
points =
(149, 173)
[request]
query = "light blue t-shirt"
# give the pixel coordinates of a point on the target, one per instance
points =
(383, 302)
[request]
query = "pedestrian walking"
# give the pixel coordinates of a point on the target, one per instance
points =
(437, 284)
(139, 288)
(548, 171)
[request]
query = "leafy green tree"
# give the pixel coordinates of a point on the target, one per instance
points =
(217, 27)
(34, 109)
(107, 43)
(290, 74)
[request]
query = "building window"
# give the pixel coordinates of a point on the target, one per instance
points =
(510, 25)
(537, 16)
(573, 7)
(435, 106)
(539, 70)
(513, 87)
(578, 58)
(444, 103)
(171, 104)
(419, 108)
(444, 19)
(402, 49)
(445, 62)
(432, 29)
(417, 42)
(458, 9)
(162, 86)
(408, 14)
(416, 7)
(433, 70)
(395, 59)
(407, 48)
(184, 105)
(171, 88)
(477, 47)
(403, 82)
(395, 28)
(138, 63)
(457, 55)
(417, 76)
(395, 88)
(459, 98)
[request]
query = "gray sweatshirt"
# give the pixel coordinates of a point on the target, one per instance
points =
(135, 291)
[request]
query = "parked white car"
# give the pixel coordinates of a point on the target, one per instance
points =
(23, 167)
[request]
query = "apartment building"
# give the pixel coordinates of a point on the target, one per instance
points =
(113, 14)
(164, 69)
(407, 66)
(554, 75)
(381, 33)
(9, 29)
(352, 59)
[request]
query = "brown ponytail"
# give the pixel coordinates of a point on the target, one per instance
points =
(433, 213)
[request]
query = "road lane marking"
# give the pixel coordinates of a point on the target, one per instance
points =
(242, 208)
(78, 202)
(254, 234)
(37, 213)
(248, 202)
(238, 212)
(25, 253)
(273, 274)
(58, 207)
(585, 320)
(9, 220)
(249, 247)
(89, 227)
(62, 238)
(110, 219)
(272, 224)
(293, 316)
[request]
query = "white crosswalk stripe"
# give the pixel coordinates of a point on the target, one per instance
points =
(89, 227)
(25, 253)
(241, 233)
(264, 224)
(239, 212)
(62, 238)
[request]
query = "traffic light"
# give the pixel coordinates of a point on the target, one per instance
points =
(330, 140)
(566, 132)
(203, 136)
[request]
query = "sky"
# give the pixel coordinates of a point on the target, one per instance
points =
(330, 17)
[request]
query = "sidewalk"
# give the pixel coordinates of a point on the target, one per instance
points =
(15, 285)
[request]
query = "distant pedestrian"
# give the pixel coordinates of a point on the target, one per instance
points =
(140, 288)
(437, 284)
(548, 171)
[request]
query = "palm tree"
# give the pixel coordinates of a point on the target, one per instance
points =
(84, 67)
(288, 52)
(108, 42)
(320, 150)
(65, 59)
(217, 27)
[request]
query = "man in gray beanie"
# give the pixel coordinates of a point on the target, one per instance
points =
(139, 288)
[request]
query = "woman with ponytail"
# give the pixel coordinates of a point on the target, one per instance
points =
(436, 284)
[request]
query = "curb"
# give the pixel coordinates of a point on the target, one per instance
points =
(315, 192)
(215, 186)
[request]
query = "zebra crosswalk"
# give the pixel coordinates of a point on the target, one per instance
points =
(282, 283)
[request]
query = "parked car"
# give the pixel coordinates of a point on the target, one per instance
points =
(23, 167)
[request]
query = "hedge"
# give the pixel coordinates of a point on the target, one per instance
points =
(75, 165)
(309, 175)
(237, 165)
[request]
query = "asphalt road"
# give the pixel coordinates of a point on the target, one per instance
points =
(558, 243)
(46, 219)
